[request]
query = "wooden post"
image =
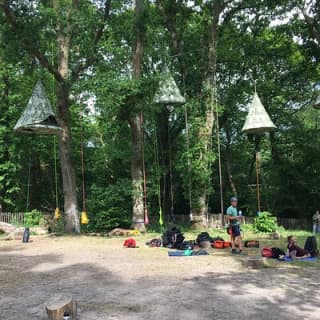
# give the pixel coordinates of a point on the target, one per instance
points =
(59, 307)
(258, 179)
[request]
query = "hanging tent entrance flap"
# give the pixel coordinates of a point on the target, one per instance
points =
(258, 120)
(168, 92)
(38, 117)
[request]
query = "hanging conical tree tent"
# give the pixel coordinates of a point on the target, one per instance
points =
(258, 120)
(317, 103)
(38, 117)
(168, 92)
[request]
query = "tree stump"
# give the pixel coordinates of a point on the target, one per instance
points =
(254, 262)
(60, 306)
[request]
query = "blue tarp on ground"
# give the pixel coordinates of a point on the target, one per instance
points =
(288, 259)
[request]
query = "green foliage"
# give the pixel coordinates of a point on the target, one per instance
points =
(112, 218)
(247, 227)
(110, 207)
(265, 223)
(32, 218)
(58, 226)
(250, 49)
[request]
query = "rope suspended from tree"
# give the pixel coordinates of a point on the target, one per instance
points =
(145, 204)
(84, 216)
(157, 166)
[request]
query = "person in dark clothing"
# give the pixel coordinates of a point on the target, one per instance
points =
(294, 251)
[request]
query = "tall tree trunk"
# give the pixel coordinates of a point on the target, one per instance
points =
(162, 136)
(229, 173)
(67, 169)
(137, 130)
(205, 133)
(228, 165)
(166, 140)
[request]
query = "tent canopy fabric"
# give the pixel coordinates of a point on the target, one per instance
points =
(258, 120)
(38, 117)
(168, 92)
(317, 102)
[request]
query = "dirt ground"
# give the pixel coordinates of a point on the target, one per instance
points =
(110, 282)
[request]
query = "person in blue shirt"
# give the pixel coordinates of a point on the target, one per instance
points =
(234, 225)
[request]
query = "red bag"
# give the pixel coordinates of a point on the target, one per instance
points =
(227, 244)
(218, 244)
(266, 252)
(130, 243)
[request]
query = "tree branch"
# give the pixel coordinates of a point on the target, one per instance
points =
(29, 45)
(311, 25)
(97, 37)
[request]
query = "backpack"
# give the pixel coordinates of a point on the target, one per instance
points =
(276, 253)
(26, 235)
(269, 252)
(311, 246)
(130, 243)
(154, 243)
(266, 252)
(251, 244)
(204, 236)
(169, 235)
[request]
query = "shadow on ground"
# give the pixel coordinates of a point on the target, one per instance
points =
(27, 282)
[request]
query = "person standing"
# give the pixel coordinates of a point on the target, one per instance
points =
(234, 225)
(316, 222)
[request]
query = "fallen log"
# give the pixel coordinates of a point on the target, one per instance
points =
(61, 307)
(13, 232)
(16, 233)
(7, 227)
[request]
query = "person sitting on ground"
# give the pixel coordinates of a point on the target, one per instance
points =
(294, 251)
(234, 222)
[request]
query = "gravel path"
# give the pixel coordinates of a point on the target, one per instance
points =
(110, 282)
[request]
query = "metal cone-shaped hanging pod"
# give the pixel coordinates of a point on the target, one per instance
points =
(258, 120)
(168, 92)
(317, 103)
(38, 117)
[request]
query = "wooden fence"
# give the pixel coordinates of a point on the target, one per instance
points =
(214, 220)
(12, 217)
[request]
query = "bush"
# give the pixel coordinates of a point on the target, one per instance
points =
(266, 223)
(110, 207)
(110, 219)
(58, 226)
(248, 227)
(32, 218)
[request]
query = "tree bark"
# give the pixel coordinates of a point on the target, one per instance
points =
(228, 166)
(162, 136)
(67, 168)
(60, 305)
(229, 173)
(135, 122)
(205, 134)
(137, 174)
